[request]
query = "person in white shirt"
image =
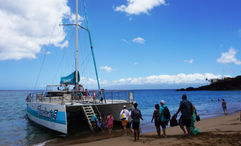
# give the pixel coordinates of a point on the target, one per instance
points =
(124, 115)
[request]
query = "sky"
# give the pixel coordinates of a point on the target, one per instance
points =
(138, 44)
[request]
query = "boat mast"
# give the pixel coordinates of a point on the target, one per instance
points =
(76, 45)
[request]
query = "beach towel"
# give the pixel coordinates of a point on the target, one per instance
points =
(194, 131)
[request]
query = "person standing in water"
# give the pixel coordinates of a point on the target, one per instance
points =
(136, 116)
(224, 106)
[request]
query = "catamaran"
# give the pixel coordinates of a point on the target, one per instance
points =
(61, 109)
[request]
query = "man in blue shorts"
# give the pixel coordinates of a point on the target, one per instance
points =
(186, 110)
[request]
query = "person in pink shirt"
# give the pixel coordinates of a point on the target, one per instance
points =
(109, 123)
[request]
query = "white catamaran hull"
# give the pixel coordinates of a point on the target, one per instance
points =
(51, 116)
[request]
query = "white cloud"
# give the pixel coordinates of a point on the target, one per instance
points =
(72, 18)
(63, 44)
(88, 81)
(136, 7)
(135, 63)
(168, 79)
(106, 68)
(178, 79)
(229, 57)
(189, 61)
(28, 25)
(139, 40)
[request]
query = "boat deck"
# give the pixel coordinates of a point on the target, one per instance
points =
(68, 98)
(76, 102)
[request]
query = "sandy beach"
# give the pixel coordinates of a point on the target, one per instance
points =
(223, 130)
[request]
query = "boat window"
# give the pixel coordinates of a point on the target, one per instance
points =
(51, 94)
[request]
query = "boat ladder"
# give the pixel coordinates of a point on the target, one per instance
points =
(89, 112)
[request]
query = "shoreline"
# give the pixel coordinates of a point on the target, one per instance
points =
(225, 130)
(149, 127)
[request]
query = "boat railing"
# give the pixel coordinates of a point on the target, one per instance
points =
(77, 96)
(42, 97)
(60, 97)
(33, 97)
(127, 95)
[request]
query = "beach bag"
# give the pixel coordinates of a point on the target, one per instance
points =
(173, 122)
(167, 113)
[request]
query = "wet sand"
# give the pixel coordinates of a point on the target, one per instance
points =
(224, 130)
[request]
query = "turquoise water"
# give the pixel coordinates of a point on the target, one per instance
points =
(16, 129)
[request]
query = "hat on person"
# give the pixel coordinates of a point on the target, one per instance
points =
(162, 102)
(124, 106)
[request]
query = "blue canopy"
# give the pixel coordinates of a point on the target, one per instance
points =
(70, 79)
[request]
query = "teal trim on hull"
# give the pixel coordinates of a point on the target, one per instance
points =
(54, 116)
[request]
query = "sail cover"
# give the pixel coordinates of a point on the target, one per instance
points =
(70, 79)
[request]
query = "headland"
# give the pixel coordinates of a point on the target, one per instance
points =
(219, 85)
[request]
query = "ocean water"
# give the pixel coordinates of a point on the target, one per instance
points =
(16, 129)
(206, 103)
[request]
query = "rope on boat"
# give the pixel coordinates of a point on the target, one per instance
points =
(44, 58)
(91, 45)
